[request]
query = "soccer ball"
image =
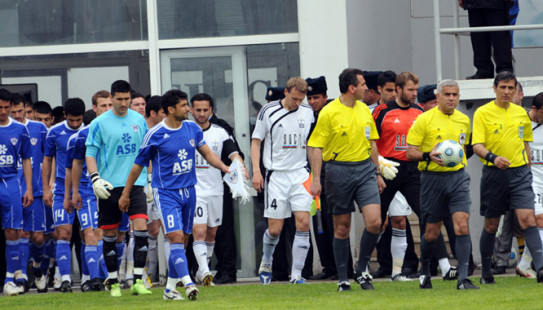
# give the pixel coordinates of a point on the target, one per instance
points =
(513, 258)
(451, 153)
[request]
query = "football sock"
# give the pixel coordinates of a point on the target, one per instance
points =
(541, 234)
(486, 246)
(525, 260)
(444, 265)
(24, 248)
(521, 245)
(38, 254)
(398, 245)
(426, 252)
(110, 257)
(300, 246)
(210, 247)
(166, 248)
(152, 257)
(178, 260)
(200, 253)
(129, 256)
(341, 255)
(102, 263)
(462, 249)
(140, 252)
(120, 251)
(64, 259)
(268, 247)
(84, 264)
(367, 245)
(12, 259)
(440, 248)
(531, 235)
(93, 261)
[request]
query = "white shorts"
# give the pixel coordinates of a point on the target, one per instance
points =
(208, 210)
(285, 193)
(152, 210)
(538, 205)
(399, 206)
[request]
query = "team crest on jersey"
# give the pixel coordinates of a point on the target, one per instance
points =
(301, 122)
(191, 141)
(215, 146)
(521, 131)
(14, 141)
(462, 138)
(33, 141)
(367, 132)
(135, 128)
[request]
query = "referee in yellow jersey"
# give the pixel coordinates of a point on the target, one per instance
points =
(501, 132)
(444, 190)
(344, 138)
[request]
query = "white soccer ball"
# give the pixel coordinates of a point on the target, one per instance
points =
(451, 153)
(513, 258)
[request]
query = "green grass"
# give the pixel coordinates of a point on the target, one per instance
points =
(509, 293)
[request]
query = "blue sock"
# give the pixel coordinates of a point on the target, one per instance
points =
(179, 259)
(46, 256)
(64, 257)
(38, 253)
(102, 263)
(91, 257)
(83, 255)
(172, 273)
(120, 251)
(12, 259)
(24, 248)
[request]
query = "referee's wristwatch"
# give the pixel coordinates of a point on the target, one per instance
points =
(378, 172)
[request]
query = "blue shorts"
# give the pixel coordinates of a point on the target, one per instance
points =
(176, 208)
(49, 222)
(34, 216)
(11, 203)
(88, 215)
(124, 226)
(60, 216)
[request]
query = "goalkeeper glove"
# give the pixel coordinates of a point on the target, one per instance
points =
(388, 168)
(149, 189)
(100, 187)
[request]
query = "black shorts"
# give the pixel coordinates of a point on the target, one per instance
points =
(407, 182)
(502, 190)
(442, 194)
(348, 182)
(109, 214)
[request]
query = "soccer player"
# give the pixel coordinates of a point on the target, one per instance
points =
(501, 135)
(29, 110)
(84, 200)
(444, 191)
(138, 103)
(344, 138)
(44, 113)
(112, 145)
(284, 126)
(14, 143)
(34, 215)
(209, 189)
(171, 147)
(386, 86)
(56, 144)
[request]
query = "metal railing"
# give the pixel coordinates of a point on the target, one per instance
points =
(456, 31)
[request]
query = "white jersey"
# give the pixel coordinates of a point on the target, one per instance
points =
(210, 178)
(285, 134)
(536, 147)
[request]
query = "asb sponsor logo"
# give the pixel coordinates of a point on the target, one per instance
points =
(5, 159)
(185, 165)
(127, 148)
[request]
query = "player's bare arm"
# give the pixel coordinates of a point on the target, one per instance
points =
(67, 203)
(236, 155)
(46, 179)
(528, 151)
(124, 201)
(258, 181)
(315, 160)
(499, 161)
(375, 159)
(414, 154)
(28, 197)
(77, 170)
(212, 158)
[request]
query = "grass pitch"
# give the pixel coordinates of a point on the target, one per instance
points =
(509, 293)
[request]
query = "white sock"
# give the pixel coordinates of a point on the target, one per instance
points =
(130, 257)
(268, 246)
(525, 260)
(210, 247)
(444, 266)
(398, 245)
(152, 257)
(541, 235)
(171, 283)
(200, 253)
(85, 278)
(300, 246)
(167, 248)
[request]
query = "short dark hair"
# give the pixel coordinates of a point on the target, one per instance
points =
(203, 97)
(17, 98)
(505, 76)
(89, 116)
(154, 103)
(348, 77)
(74, 107)
(171, 98)
(388, 76)
(135, 94)
(5, 95)
(43, 107)
(538, 101)
(29, 104)
(120, 86)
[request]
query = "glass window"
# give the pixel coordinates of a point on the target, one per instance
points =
(179, 19)
(37, 22)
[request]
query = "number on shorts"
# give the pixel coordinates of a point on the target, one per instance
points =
(84, 219)
(171, 223)
(538, 198)
(59, 214)
(199, 212)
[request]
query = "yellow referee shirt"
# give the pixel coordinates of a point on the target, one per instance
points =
(344, 133)
(433, 127)
(503, 132)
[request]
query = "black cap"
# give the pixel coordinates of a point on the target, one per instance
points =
(275, 93)
(426, 93)
(371, 78)
(316, 86)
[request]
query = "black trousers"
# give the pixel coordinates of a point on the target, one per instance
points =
(226, 250)
(483, 43)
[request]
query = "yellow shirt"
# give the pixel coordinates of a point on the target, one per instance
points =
(433, 127)
(344, 133)
(503, 132)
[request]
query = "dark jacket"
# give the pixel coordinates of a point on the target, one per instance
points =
(485, 4)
